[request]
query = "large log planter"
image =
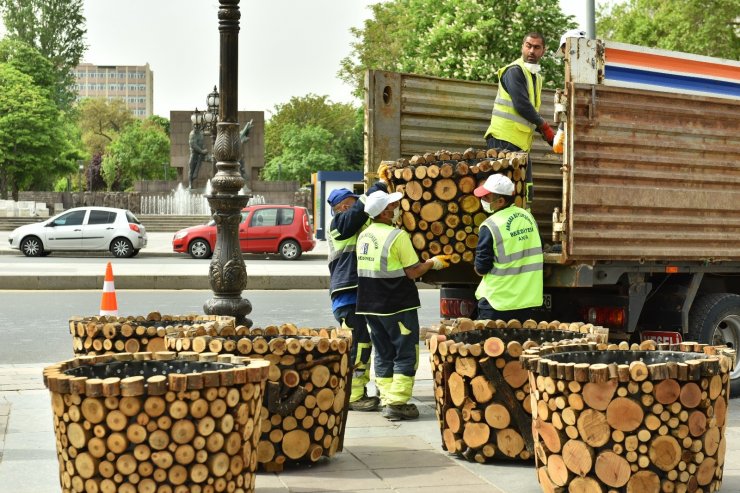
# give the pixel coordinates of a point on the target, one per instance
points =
(306, 399)
(482, 391)
(630, 420)
(440, 211)
(132, 334)
(128, 423)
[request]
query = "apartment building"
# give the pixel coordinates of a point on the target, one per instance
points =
(134, 84)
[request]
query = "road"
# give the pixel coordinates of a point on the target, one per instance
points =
(36, 322)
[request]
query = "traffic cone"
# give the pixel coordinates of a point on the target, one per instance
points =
(108, 304)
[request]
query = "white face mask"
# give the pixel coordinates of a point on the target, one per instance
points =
(396, 215)
(486, 206)
(533, 67)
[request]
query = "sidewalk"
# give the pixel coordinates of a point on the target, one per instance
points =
(378, 456)
(309, 272)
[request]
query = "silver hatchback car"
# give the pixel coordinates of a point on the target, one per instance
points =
(82, 229)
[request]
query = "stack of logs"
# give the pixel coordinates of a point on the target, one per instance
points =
(306, 401)
(132, 334)
(440, 211)
(161, 424)
(622, 419)
(481, 389)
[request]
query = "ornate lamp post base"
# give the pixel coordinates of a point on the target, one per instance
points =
(227, 272)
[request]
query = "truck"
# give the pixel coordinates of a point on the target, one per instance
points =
(639, 216)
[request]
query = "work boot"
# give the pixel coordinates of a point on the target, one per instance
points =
(398, 412)
(365, 403)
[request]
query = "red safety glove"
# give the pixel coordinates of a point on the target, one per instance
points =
(547, 132)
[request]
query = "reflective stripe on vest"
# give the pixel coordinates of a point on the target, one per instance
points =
(506, 123)
(515, 281)
(379, 268)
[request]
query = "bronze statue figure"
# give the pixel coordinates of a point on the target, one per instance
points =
(197, 152)
(244, 138)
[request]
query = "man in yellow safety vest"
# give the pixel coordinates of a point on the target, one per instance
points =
(387, 265)
(515, 114)
(508, 255)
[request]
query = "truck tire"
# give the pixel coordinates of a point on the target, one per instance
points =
(715, 319)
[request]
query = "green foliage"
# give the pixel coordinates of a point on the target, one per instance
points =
(31, 135)
(56, 28)
(136, 154)
(461, 39)
(28, 60)
(704, 27)
(101, 121)
(305, 148)
(312, 133)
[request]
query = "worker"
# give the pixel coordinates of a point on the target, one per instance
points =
(387, 266)
(515, 114)
(348, 219)
(508, 255)
(571, 33)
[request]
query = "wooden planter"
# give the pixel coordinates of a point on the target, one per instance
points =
(482, 391)
(306, 399)
(130, 423)
(630, 420)
(440, 211)
(111, 334)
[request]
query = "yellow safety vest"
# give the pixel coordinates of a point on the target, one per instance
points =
(382, 288)
(506, 123)
(515, 282)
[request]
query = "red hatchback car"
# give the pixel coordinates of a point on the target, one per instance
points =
(282, 229)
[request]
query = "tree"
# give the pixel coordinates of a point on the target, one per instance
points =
(101, 121)
(319, 117)
(28, 60)
(461, 39)
(305, 148)
(706, 27)
(136, 154)
(56, 28)
(94, 174)
(32, 139)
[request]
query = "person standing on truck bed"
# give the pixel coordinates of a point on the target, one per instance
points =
(515, 114)
(349, 218)
(508, 255)
(387, 265)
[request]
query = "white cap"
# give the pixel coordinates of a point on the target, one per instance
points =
(572, 33)
(498, 184)
(377, 201)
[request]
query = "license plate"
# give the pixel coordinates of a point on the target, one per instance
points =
(547, 301)
(666, 336)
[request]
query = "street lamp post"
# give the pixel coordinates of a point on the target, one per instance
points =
(80, 167)
(227, 273)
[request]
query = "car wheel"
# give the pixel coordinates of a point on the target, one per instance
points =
(31, 246)
(290, 250)
(122, 248)
(715, 320)
(199, 248)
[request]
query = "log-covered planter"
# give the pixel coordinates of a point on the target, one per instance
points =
(306, 399)
(440, 211)
(152, 422)
(630, 420)
(132, 334)
(481, 389)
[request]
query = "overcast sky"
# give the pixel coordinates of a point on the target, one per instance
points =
(286, 47)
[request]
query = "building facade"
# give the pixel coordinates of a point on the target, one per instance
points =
(134, 84)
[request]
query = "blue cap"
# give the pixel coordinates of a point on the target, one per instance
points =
(338, 195)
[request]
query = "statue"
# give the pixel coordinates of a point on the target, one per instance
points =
(197, 152)
(244, 138)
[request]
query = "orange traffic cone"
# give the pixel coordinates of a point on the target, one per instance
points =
(108, 304)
